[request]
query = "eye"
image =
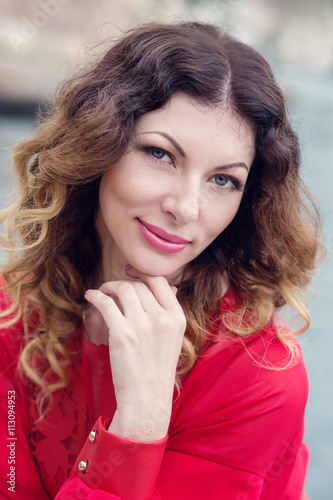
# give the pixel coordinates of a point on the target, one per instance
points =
(227, 182)
(159, 154)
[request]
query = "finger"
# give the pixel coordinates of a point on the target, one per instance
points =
(159, 286)
(106, 306)
(133, 297)
(146, 297)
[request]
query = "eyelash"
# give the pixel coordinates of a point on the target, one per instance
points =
(237, 185)
(150, 149)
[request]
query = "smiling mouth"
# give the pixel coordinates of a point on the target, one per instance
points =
(160, 239)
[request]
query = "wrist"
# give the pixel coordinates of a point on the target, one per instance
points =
(141, 423)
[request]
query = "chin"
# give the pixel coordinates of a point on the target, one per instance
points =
(168, 271)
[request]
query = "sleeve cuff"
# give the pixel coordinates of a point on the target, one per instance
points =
(119, 465)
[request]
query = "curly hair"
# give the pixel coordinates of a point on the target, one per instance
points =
(268, 251)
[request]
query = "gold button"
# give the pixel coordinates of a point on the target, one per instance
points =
(92, 436)
(83, 465)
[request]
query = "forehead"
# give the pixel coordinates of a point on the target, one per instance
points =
(182, 109)
(199, 126)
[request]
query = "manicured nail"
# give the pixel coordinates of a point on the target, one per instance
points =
(127, 267)
(175, 291)
(88, 291)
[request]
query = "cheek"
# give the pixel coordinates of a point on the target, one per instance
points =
(128, 188)
(115, 193)
(220, 218)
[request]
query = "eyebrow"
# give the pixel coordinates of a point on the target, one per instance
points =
(239, 164)
(183, 154)
(171, 139)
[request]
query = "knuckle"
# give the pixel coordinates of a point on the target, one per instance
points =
(138, 285)
(124, 287)
(164, 322)
(102, 298)
(182, 327)
(170, 322)
(182, 320)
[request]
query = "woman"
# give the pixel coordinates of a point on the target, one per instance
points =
(160, 222)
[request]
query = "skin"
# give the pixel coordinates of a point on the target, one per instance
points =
(184, 172)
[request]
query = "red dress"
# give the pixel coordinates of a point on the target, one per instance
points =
(235, 432)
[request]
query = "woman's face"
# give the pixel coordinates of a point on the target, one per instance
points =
(175, 190)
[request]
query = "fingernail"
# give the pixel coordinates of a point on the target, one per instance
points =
(88, 291)
(175, 291)
(127, 267)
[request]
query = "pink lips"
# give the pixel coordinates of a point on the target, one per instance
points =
(160, 239)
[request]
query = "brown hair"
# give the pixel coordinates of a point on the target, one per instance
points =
(269, 249)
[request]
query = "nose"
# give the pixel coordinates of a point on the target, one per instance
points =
(182, 202)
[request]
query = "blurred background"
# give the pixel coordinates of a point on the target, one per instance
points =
(42, 41)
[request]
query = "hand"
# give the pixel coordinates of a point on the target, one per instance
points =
(146, 328)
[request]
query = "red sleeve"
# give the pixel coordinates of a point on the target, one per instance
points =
(124, 467)
(129, 470)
